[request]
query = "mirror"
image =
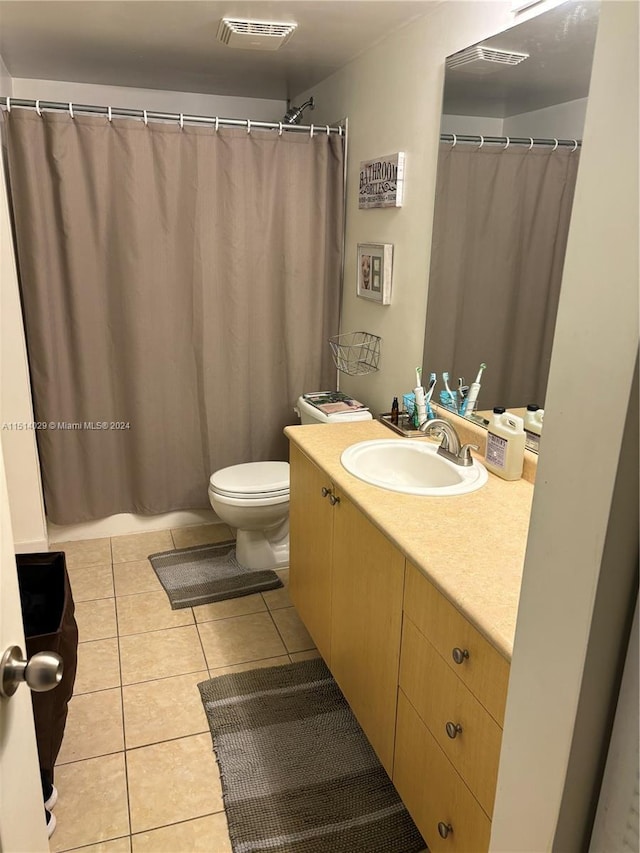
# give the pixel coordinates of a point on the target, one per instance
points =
(503, 204)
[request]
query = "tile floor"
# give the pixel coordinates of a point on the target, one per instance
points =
(136, 772)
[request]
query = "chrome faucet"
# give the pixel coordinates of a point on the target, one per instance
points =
(450, 447)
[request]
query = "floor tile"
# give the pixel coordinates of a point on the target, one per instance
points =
(98, 666)
(94, 726)
(91, 582)
(160, 654)
(96, 619)
(202, 534)
(278, 598)
(86, 552)
(92, 802)
(295, 635)
(118, 845)
(164, 709)
(149, 611)
(240, 639)
(138, 546)
(308, 655)
(281, 660)
(229, 607)
(194, 790)
(134, 577)
(204, 835)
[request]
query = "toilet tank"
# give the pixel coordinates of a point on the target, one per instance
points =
(310, 414)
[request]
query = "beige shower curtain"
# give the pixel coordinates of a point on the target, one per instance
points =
(500, 232)
(178, 286)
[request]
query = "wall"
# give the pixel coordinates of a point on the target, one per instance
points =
(6, 83)
(150, 99)
(483, 125)
(561, 121)
(392, 95)
(581, 562)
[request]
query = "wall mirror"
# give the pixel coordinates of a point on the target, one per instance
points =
(512, 121)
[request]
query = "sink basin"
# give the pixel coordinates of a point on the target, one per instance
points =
(412, 467)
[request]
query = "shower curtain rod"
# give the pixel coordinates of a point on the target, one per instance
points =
(454, 138)
(181, 118)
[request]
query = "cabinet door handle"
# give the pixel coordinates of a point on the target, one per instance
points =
(460, 655)
(453, 729)
(444, 829)
(325, 491)
(334, 499)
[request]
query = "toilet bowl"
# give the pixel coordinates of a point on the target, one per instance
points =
(253, 498)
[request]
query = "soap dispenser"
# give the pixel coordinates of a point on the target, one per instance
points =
(533, 426)
(505, 445)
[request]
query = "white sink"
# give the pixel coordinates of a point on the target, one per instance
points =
(411, 466)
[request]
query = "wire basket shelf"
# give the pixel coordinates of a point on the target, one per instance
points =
(355, 353)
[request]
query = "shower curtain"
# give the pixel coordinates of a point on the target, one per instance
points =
(179, 287)
(500, 232)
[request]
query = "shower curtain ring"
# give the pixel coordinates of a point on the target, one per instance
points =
(71, 110)
(109, 114)
(530, 143)
(145, 118)
(455, 140)
(328, 131)
(508, 143)
(279, 128)
(181, 121)
(38, 110)
(8, 105)
(556, 143)
(575, 146)
(340, 130)
(311, 132)
(248, 125)
(481, 142)
(217, 123)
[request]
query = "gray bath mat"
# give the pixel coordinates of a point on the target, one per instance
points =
(298, 774)
(206, 573)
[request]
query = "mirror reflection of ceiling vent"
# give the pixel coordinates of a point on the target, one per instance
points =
(484, 60)
(254, 35)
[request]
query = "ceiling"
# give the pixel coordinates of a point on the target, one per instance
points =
(560, 45)
(172, 45)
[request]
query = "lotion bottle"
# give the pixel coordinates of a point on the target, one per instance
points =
(505, 445)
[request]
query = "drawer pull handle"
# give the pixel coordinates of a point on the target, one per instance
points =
(334, 499)
(444, 829)
(460, 655)
(325, 491)
(453, 729)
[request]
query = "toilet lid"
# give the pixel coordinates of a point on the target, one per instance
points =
(252, 478)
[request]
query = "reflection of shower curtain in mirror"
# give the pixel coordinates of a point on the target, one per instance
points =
(500, 231)
(179, 286)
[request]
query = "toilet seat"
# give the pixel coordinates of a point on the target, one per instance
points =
(253, 481)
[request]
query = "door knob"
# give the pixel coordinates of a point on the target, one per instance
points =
(43, 671)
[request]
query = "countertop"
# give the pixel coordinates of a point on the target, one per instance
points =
(471, 547)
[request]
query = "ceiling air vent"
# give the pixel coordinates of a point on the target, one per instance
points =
(254, 35)
(483, 60)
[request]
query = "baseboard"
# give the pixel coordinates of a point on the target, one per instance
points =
(123, 523)
(37, 546)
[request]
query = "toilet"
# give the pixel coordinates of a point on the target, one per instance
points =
(253, 498)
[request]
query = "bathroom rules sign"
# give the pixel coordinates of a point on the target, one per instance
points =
(382, 181)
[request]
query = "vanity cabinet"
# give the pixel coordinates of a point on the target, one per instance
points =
(346, 582)
(453, 686)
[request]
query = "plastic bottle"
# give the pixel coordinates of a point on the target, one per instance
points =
(533, 426)
(394, 411)
(505, 445)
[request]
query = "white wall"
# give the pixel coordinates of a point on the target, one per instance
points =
(392, 95)
(472, 125)
(561, 121)
(259, 109)
(581, 561)
(6, 83)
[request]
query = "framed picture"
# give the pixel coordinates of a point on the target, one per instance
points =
(374, 270)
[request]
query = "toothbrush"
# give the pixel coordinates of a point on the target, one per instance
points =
(474, 390)
(432, 385)
(445, 377)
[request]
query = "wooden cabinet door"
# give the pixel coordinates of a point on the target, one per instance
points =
(311, 525)
(368, 579)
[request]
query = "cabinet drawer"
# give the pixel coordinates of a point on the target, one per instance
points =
(432, 790)
(440, 697)
(483, 669)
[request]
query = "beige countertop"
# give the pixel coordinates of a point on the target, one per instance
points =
(471, 547)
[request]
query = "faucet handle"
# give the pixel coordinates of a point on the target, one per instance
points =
(465, 453)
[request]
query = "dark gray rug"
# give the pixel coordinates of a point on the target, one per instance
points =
(298, 774)
(206, 573)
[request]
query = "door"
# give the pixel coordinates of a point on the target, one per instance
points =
(22, 822)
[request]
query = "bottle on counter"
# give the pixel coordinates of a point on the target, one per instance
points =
(505, 445)
(533, 426)
(395, 409)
